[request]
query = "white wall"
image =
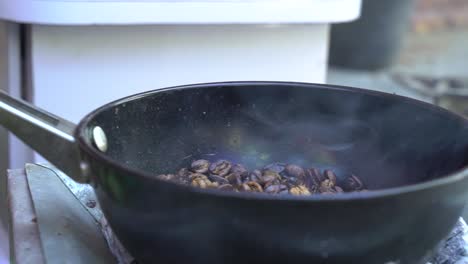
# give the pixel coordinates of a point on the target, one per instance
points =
(76, 69)
(129, 12)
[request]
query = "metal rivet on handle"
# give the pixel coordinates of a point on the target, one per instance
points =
(100, 139)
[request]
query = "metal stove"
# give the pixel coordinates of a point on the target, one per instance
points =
(52, 218)
(448, 92)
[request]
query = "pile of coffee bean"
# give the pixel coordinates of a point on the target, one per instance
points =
(275, 178)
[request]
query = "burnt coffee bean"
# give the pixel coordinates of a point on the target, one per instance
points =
(295, 171)
(221, 167)
(276, 188)
(353, 183)
(234, 179)
(226, 187)
(299, 190)
(330, 176)
(220, 180)
(200, 166)
(276, 167)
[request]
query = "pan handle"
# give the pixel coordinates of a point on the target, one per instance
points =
(49, 135)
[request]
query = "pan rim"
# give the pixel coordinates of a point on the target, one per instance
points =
(371, 194)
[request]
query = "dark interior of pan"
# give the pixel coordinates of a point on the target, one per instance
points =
(388, 141)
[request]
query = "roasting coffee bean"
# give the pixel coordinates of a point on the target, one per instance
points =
(315, 176)
(275, 178)
(299, 190)
(314, 189)
(200, 166)
(295, 172)
(199, 182)
(251, 187)
(291, 181)
(255, 175)
(270, 178)
(192, 176)
(327, 186)
(276, 188)
(221, 167)
(293, 175)
(309, 181)
(244, 187)
(240, 169)
(203, 182)
(330, 176)
(234, 179)
(276, 167)
(220, 180)
(271, 174)
(254, 186)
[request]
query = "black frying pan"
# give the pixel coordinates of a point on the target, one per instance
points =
(411, 155)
